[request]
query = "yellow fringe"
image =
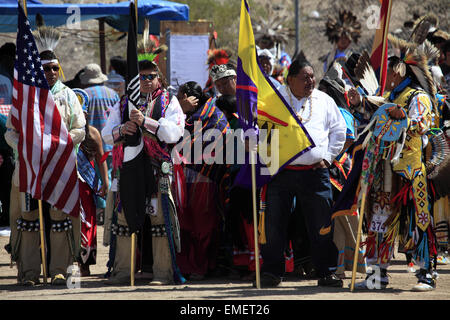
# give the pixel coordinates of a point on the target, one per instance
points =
(61, 72)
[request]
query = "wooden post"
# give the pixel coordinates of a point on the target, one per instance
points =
(297, 26)
(101, 31)
(358, 241)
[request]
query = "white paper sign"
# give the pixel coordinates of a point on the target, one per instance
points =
(187, 57)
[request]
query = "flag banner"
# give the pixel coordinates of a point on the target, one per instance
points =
(132, 85)
(379, 54)
(47, 159)
(282, 136)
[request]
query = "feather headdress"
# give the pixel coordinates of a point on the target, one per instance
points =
(431, 52)
(417, 58)
(345, 24)
(422, 27)
(47, 38)
(218, 56)
(273, 28)
(147, 49)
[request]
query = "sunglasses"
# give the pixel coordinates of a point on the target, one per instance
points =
(48, 69)
(148, 76)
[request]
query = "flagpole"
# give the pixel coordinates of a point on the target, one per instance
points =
(255, 220)
(136, 13)
(358, 241)
(384, 52)
(133, 235)
(41, 215)
(25, 7)
(43, 251)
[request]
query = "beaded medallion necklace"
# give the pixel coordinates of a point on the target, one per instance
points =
(302, 108)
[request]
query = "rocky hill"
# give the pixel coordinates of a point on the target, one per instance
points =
(80, 47)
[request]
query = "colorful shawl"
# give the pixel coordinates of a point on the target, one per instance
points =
(210, 117)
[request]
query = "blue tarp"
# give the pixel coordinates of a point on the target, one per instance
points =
(116, 14)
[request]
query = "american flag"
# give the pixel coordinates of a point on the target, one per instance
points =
(47, 159)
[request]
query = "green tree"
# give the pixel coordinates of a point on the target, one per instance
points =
(225, 17)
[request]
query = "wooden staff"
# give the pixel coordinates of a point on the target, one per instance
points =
(358, 240)
(42, 234)
(133, 260)
(255, 219)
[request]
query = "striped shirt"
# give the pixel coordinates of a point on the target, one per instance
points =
(101, 100)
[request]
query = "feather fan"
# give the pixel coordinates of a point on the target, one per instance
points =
(365, 74)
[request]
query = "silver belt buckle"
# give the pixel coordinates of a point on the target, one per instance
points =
(165, 167)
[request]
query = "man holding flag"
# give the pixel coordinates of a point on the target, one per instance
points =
(311, 134)
(142, 128)
(45, 123)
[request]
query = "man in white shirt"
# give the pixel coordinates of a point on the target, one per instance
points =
(307, 179)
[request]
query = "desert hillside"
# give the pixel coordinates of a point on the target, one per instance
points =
(80, 47)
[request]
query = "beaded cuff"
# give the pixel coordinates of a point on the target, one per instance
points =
(116, 133)
(150, 125)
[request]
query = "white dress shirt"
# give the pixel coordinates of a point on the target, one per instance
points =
(326, 125)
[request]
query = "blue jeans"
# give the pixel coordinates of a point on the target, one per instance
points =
(312, 190)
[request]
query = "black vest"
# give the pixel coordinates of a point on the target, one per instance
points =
(135, 139)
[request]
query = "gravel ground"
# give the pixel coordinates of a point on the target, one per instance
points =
(93, 287)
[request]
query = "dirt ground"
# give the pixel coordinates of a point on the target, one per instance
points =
(93, 288)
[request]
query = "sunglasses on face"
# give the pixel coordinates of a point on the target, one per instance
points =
(48, 68)
(148, 76)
